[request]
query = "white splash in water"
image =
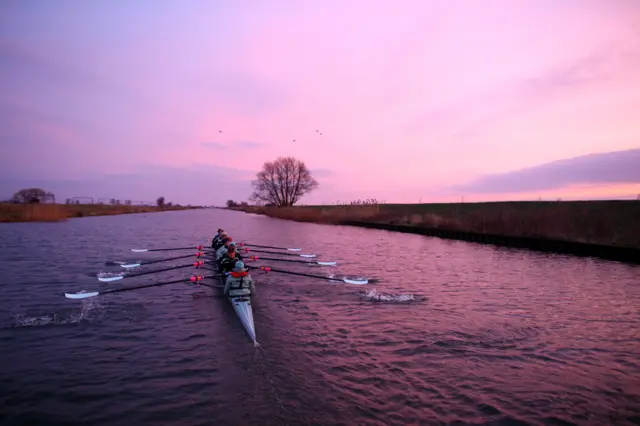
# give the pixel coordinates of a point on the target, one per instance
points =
(87, 312)
(110, 274)
(379, 296)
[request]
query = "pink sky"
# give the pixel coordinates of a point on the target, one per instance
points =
(416, 100)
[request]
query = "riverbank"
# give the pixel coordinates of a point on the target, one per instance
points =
(57, 212)
(609, 223)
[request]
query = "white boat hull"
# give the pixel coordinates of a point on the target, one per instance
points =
(244, 310)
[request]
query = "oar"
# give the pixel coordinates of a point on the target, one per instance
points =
(122, 275)
(292, 260)
(169, 249)
(346, 280)
(150, 262)
(271, 247)
(192, 279)
(247, 250)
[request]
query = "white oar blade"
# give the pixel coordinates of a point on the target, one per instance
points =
(111, 278)
(294, 249)
(131, 265)
(327, 263)
(80, 295)
(139, 250)
(307, 255)
(357, 282)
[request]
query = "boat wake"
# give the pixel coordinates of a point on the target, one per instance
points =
(379, 296)
(88, 311)
(117, 262)
(260, 359)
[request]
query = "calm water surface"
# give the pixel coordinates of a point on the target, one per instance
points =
(453, 332)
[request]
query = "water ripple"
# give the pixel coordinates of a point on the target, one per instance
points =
(452, 333)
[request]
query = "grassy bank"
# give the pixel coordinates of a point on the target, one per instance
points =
(595, 222)
(57, 212)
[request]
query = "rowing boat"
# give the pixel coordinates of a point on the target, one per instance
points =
(241, 305)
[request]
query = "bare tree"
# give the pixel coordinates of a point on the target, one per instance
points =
(29, 196)
(282, 182)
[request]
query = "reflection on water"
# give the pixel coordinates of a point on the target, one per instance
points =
(450, 332)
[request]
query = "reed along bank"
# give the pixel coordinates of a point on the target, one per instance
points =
(10, 212)
(612, 224)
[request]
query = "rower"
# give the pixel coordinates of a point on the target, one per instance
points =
(221, 243)
(239, 282)
(235, 246)
(228, 259)
(216, 238)
(224, 247)
(216, 243)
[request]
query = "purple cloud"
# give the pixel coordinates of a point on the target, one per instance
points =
(609, 168)
(214, 145)
(249, 144)
(235, 144)
(203, 184)
(322, 173)
(465, 114)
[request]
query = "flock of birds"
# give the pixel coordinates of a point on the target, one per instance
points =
(317, 131)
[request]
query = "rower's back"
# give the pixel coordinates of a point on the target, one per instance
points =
(239, 281)
(221, 252)
(240, 286)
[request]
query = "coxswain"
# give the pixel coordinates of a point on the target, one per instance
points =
(239, 282)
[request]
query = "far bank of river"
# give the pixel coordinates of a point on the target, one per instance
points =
(57, 212)
(608, 229)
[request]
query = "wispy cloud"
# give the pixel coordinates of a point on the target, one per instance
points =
(248, 144)
(418, 107)
(617, 60)
(214, 145)
(235, 145)
(610, 168)
(322, 173)
(196, 184)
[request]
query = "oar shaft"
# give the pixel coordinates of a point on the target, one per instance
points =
(183, 280)
(269, 247)
(169, 249)
(151, 262)
(280, 260)
(267, 269)
(118, 290)
(270, 252)
(162, 270)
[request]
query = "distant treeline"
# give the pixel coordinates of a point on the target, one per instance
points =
(231, 203)
(40, 196)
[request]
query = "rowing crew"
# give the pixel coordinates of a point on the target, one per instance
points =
(229, 262)
(225, 251)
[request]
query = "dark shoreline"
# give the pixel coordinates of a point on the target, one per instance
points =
(20, 213)
(605, 229)
(616, 253)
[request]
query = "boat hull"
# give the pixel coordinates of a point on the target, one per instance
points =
(244, 311)
(242, 307)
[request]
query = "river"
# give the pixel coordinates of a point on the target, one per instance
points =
(451, 333)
